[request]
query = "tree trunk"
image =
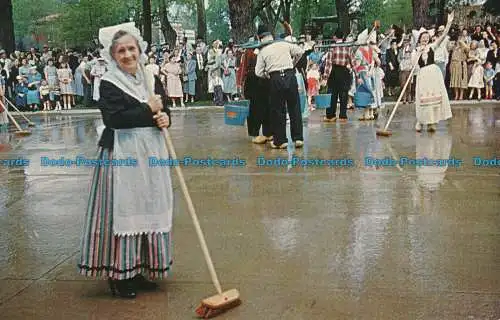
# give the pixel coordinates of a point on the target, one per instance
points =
(169, 33)
(287, 11)
(147, 22)
(342, 9)
(240, 14)
(7, 41)
(202, 19)
(420, 13)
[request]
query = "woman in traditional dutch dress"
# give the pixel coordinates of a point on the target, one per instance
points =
(127, 232)
(431, 96)
(365, 58)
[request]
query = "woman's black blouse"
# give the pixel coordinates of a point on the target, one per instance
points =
(121, 111)
(430, 59)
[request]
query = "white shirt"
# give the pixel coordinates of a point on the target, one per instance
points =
(277, 56)
(441, 52)
(153, 68)
(199, 59)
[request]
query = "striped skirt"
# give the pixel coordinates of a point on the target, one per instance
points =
(105, 255)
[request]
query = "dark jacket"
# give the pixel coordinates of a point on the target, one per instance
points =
(491, 58)
(121, 111)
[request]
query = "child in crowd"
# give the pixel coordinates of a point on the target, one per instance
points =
(55, 96)
(489, 75)
(45, 94)
(21, 93)
(313, 77)
(218, 90)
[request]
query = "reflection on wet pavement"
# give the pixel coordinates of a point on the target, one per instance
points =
(314, 242)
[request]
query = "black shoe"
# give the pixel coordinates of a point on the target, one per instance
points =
(122, 288)
(142, 284)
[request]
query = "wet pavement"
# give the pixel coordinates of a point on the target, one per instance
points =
(349, 241)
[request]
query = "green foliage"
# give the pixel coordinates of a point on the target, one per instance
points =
(492, 7)
(304, 10)
(81, 21)
(26, 13)
(218, 23)
(389, 12)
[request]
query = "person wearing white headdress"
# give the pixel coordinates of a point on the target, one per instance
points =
(366, 59)
(127, 229)
(431, 97)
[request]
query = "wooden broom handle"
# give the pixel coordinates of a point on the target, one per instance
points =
(402, 93)
(10, 116)
(192, 211)
(185, 191)
(15, 108)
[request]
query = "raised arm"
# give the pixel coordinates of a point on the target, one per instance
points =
(440, 39)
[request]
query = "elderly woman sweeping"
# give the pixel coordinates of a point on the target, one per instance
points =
(431, 97)
(127, 232)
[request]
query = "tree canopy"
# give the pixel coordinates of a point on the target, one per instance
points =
(492, 6)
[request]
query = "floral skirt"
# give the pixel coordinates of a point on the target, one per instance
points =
(105, 255)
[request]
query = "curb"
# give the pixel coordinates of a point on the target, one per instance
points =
(98, 112)
(174, 110)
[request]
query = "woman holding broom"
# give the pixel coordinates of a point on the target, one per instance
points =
(127, 229)
(431, 97)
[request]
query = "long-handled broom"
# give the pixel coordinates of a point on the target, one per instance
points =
(384, 132)
(222, 301)
(30, 123)
(20, 131)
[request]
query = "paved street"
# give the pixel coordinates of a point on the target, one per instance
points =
(316, 242)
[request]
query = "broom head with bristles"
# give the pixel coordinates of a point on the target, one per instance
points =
(22, 133)
(215, 305)
(384, 133)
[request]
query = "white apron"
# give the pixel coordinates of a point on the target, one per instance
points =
(143, 197)
(432, 103)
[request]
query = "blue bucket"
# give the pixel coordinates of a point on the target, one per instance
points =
(323, 101)
(243, 103)
(235, 115)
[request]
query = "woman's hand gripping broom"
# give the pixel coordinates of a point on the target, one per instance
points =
(222, 301)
